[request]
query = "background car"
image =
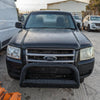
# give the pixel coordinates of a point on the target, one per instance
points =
(23, 18)
(91, 22)
(78, 21)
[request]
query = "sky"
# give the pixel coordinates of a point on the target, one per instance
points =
(28, 5)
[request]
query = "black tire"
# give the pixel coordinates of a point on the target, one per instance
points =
(80, 29)
(88, 28)
(13, 76)
(81, 80)
(83, 27)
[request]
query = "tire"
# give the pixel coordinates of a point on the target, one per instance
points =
(81, 80)
(80, 29)
(13, 76)
(88, 28)
(83, 27)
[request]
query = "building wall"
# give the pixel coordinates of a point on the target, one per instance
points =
(69, 6)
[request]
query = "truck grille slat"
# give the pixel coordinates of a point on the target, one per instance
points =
(30, 54)
(70, 61)
(47, 51)
(97, 24)
(61, 56)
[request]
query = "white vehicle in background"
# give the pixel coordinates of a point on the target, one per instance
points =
(78, 20)
(8, 18)
(23, 18)
(91, 22)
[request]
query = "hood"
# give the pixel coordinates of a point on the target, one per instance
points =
(78, 21)
(50, 38)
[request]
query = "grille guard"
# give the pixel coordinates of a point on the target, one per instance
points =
(50, 82)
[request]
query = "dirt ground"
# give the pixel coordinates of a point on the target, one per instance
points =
(89, 90)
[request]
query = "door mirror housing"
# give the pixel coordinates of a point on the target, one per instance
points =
(18, 25)
(78, 25)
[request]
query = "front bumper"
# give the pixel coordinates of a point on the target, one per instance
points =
(81, 70)
(95, 27)
(75, 83)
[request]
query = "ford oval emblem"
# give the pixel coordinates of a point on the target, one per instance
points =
(50, 58)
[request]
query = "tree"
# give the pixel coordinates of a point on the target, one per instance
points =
(94, 6)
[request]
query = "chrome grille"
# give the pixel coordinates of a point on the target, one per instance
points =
(97, 24)
(38, 55)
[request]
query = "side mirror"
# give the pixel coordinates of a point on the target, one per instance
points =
(79, 27)
(18, 25)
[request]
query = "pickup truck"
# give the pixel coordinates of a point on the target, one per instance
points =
(50, 51)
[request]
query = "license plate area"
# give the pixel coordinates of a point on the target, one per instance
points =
(49, 73)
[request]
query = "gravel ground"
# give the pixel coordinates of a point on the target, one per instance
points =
(89, 90)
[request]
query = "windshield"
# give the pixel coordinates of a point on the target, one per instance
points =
(76, 17)
(50, 20)
(95, 18)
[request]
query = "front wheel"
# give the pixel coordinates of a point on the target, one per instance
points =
(81, 80)
(13, 76)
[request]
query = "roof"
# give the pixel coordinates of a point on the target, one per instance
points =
(56, 12)
(66, 1)
(95, 15)
(41, 11)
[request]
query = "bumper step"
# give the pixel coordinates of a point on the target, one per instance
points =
(50, 83)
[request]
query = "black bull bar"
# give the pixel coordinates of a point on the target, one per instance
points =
(50, 82)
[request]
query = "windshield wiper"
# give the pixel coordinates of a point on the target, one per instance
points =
(50, 27)
(36, 27)
(70, 28)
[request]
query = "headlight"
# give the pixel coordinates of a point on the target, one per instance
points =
(86, 53)
(13, 52)
(93, 24)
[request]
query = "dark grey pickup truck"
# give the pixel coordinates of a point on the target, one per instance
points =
(50, 51)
